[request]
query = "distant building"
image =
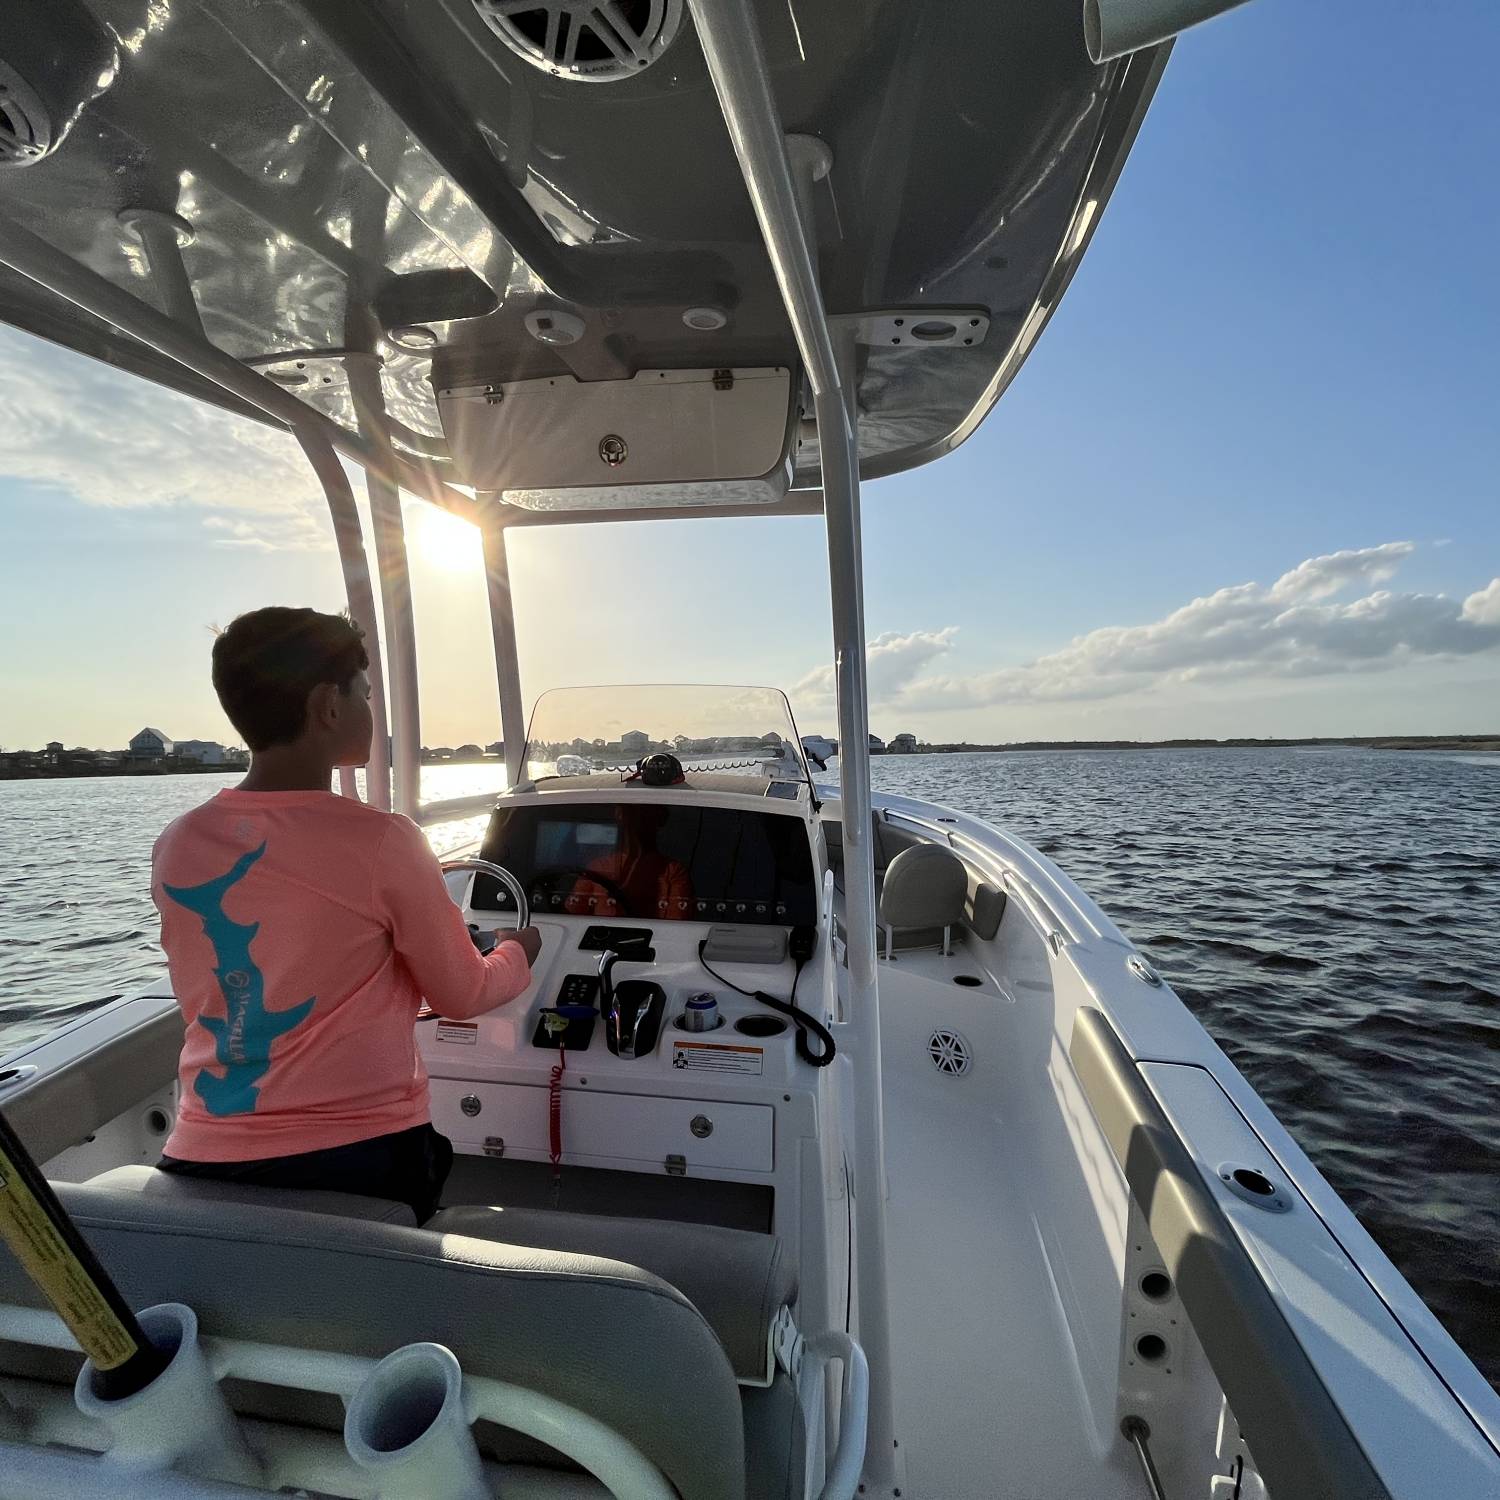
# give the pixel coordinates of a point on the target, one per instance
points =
(149, 744)
(877, 745)
(497, 748)
(205, 752)
(903, 744)
(635, 741)
(468, 752)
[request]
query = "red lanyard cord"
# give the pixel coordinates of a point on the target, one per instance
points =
(554, 1115)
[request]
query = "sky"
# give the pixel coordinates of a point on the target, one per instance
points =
(1245, 485)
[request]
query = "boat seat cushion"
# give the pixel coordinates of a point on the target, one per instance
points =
(608, 1338)
(168, 1185)
(926, 887)
(738, 1280)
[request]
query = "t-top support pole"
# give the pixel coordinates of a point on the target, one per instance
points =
(737, 66)
(507, 657)
(395, 589)
(350, 540)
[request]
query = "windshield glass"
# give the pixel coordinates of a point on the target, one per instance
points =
(583, 731)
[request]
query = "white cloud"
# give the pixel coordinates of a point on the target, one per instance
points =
(893, 661)
(120, 442)
(1483, 608)
(1297, 627)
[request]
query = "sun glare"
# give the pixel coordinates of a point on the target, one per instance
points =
(442, 540)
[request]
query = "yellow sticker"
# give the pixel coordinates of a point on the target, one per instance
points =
(58, 1273)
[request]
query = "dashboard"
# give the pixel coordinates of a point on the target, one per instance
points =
(653, 861)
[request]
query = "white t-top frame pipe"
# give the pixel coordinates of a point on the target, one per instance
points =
(507, 657)
(395, 588)
(736, 63)
(349, 537)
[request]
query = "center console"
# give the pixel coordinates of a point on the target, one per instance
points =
(625, 1055)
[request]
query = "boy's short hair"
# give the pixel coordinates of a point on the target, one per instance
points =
(269, 660)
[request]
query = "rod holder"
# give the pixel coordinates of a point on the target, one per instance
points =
(180, 1420)
(408, 1428)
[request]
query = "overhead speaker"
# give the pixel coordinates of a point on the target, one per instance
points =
(54, 59)
(594, 41)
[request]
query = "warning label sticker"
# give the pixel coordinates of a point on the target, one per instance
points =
(718, 1057)
(465, 1033)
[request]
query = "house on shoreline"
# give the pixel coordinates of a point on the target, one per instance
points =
(149, 744)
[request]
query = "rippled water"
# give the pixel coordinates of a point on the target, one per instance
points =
(1332, 916)
(1333, 919)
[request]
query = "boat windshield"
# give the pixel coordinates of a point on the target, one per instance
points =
(736, 730)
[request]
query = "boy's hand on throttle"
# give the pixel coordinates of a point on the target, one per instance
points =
(529, 939)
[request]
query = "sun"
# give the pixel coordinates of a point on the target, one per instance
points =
(442, 540)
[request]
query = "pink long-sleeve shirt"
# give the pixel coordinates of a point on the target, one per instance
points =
(302, 932)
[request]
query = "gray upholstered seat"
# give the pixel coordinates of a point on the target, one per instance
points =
(739, 1281)
(923, 896)
(168, 1187)
(607, 1337)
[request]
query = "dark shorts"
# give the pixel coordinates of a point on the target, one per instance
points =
(407, 1166)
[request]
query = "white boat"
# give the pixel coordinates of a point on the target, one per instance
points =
(1027, 1232)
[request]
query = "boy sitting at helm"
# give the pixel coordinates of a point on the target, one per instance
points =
(302, 930)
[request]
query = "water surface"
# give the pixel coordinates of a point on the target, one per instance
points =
(1332, 917)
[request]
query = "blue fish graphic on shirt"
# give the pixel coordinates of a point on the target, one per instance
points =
(243, 1037)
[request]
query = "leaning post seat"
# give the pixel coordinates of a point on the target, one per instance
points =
(607, 1337)
(737, 1279)
(169, 1187)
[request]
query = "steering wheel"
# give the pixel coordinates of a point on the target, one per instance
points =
(611, 888)
(500, 873)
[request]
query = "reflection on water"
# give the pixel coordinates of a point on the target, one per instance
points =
(1332, 916)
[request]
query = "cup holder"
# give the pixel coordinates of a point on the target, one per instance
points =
(680, 1024)
(760, 1025)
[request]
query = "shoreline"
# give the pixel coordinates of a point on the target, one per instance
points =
(112, 773)
(1484, 743)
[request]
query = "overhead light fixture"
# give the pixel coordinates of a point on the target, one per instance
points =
(414, 338)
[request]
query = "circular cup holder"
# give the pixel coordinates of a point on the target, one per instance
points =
(760, 1025)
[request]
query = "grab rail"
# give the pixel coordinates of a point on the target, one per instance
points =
(843, 1470)
(1266, 1375)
